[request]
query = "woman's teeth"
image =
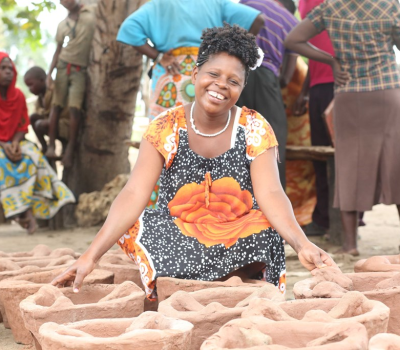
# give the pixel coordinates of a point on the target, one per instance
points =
(216, 95)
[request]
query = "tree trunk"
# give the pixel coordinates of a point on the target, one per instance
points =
(114, 74)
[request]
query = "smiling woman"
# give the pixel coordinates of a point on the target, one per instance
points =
(220, 195)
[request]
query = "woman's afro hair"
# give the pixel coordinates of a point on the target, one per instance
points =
(233, 40)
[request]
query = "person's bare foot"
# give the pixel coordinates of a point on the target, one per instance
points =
(51, 152)
(67, 158)
(31, 222)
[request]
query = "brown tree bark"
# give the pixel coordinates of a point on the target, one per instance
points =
(114, 79)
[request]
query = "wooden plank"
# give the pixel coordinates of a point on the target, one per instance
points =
(320, 153)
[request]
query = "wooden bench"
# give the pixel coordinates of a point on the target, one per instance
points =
(324, 154)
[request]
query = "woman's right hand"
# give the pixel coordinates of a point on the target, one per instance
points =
(75, 274)
(341, 76)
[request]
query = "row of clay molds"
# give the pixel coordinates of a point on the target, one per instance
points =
(14, 290)
(353, 306)
(95, 301)
(259, 333)
(149, 331)
(379, 286)
(166, 286)
(209, 309)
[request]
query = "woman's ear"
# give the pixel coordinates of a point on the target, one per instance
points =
(195, 71)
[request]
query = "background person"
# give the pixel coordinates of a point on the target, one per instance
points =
(35, 80)
(263, 90)
(367, 101)
(29, 187)
(74, 39)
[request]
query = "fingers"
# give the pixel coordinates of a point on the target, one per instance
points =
(173, 68)
(64, 278)
(78, 281)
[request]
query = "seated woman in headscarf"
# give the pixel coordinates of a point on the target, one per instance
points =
(29, 187)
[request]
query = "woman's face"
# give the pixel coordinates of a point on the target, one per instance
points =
(219, 83)
(6, 72)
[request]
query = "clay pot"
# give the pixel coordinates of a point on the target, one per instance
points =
(149, 331)
(353, 306)
(14, 290)
(258, 333)
(380, 286)
(209, 309)
(384, 342)
(51, 304)
(166, 286)
(385, 263)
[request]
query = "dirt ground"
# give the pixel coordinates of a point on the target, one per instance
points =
(381, 236)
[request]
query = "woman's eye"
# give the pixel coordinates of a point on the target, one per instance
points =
(213, 74)
(234, 82)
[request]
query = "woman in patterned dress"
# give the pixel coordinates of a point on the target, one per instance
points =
(29, 187)
(220, 195)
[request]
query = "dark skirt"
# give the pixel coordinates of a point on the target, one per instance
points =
(367, 149)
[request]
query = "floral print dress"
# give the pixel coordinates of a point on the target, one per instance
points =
(208, 223)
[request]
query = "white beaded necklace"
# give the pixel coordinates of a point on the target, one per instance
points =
(207, 135)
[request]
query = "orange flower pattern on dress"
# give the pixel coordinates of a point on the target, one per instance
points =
(128, 243)
(228, 217)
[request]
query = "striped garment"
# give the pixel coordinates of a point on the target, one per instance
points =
(278, 23)
(362, 33)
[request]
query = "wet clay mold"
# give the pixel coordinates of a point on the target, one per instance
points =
(209, 309)
(384, 263)
(41, 250)
(258, 333)
(10, 267)
(353, 306)
(125, 269)
(149, 331)
(14, 290)
(379, 286)
(51, 304)
(385, 342)
(166, 286)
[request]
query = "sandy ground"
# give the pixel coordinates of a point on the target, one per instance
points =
(381, 236)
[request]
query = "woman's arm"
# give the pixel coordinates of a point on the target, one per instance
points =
(297, 41)
(278, 210)
(124, 212)
(288, 68)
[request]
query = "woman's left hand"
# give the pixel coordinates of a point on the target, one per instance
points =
(312, 257)
(170, 64)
